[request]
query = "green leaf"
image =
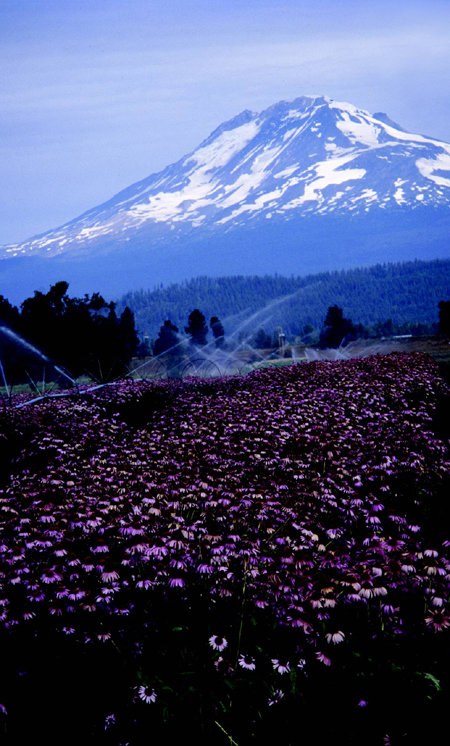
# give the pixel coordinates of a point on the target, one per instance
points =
(436, 683)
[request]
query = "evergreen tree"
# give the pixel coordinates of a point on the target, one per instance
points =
(9, 314)
(11, 355)
(217, 330)
(444, 317)
(197, 328)
(129, 338)
(262, 340)
(82, 335)
(336, 329)
(168, 338)
(384, 328)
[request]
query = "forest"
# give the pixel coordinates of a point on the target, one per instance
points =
(406, 293)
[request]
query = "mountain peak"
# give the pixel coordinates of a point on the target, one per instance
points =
(312, 157)
(242, 118)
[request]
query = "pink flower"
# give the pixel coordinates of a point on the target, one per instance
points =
(245, 661)
(335, 637)
(280, 667)
(276, 697)
(218, 643)
(176, 582)
(146, 694)
(323, 658)
(109, 576)
(438, 621)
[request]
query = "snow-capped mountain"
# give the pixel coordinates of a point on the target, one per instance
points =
(294, 174)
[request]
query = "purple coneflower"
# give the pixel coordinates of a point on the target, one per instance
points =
(323, 658)
(76, 594)
(109, 721)
(218, 643)
(108, 576)
(438, 621)
(335, 637)
(100, 549)
(51, 576)
(146, 694)
(104, 637)
(280, 667)
(176, 582)
(205, 569)
(276, 697)
(56, 611)
(145, 584)
(437, 601)
(388, 609)
(245, 661)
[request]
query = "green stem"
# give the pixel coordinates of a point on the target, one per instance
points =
(241, 624)
(230, 739)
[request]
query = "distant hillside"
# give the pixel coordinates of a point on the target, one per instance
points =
(408, 292)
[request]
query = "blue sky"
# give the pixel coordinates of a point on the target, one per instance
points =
(97, 94)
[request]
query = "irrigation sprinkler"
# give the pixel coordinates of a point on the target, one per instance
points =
(152, 368)
(201, 367)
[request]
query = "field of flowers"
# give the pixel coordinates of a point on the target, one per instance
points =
(259, 559)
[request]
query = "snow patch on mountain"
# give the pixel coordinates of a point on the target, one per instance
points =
(327, 174)
(224, 147)
(358, 130)
(427, 168)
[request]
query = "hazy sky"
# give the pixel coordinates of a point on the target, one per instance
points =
(97, 94)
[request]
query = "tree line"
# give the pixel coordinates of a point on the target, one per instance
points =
(336, 330)
(406, 293)
(88, 337)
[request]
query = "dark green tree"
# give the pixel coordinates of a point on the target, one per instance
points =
(444, 317)
(336, 329)
(262, 340)
(168, 338)
(11, 354)
(197, 328)
(217, 330)
(82, 335)
(9, 314)
(384, 328)
(127, 330)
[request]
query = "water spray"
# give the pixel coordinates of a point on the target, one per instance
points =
(17, 339)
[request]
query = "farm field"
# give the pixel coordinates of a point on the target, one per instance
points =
(258, 559)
